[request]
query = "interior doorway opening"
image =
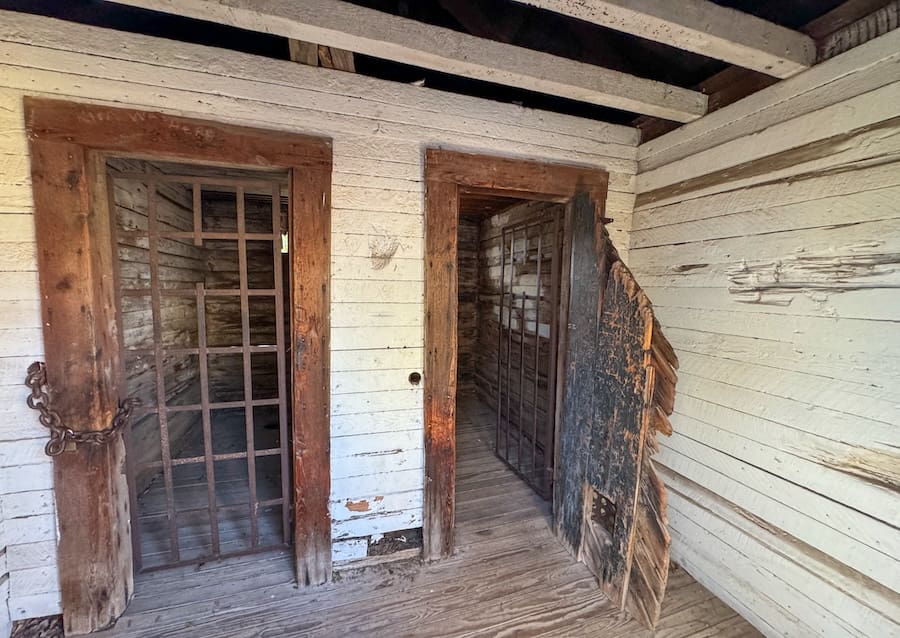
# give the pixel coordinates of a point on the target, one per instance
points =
(509, 256)
(203, 298)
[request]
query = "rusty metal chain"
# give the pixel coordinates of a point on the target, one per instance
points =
(60, 435)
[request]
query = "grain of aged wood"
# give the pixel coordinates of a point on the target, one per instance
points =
(68, 143)
(542, 591)
(80, 337)
(446, 173)
(441, 220)
(619, 389)
(848, 25)
(310, 299)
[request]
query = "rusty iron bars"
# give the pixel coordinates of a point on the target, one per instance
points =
(525, 441)
(60, 434)
(176, 526)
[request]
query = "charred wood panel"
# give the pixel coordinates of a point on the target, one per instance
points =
(619, 389)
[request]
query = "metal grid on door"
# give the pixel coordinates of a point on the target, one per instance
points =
(526, 357)
(200, 291)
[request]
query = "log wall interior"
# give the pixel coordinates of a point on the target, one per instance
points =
(181, 266)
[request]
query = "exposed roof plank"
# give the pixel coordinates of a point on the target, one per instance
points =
(313, 54)
(699, 26)
(342, 25)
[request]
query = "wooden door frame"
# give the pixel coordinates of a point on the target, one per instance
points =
(446, 174)
(67, 142)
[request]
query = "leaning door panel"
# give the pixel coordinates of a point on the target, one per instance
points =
(618, 391)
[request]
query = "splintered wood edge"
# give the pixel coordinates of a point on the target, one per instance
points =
(651, 525)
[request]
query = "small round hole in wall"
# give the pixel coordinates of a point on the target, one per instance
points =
(415, 378)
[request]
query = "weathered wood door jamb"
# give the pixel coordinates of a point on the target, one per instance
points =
(75, 264)
(446, 174)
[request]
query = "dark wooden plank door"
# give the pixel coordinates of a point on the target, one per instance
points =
(617, 392)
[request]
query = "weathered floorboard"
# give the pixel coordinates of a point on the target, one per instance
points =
(509, 576)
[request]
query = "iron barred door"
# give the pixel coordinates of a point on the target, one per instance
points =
(530, 256)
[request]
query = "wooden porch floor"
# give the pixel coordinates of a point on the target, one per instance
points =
(510, 577)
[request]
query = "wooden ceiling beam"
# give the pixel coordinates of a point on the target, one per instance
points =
(342, 25)
(699, 26)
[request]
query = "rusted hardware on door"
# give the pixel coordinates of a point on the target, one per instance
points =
(60, 435)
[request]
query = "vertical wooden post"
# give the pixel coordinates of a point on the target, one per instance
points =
(441, 228)
(80, 337)
(310, 252)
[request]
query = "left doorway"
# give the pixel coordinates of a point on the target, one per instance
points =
(69, 143)
(201, 297)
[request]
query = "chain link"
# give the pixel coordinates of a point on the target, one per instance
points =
(60, 435)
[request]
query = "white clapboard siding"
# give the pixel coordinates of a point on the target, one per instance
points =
(28, 555)
(377, 336)
(858, 146)
(362, 424)
(360, 315)
(376, 463)
(5, 620)
(353, 382)
(356, 487)
(33, 605)
(372, 525)
(350, 549)
(768, 237)
(853, 303)
(789, 453)
(792, 385)
(764, 196)
(873, 205)
(375, 504)
(378, 130)
(376, 359)
(864, 605)
(783, 356)
(353, 446)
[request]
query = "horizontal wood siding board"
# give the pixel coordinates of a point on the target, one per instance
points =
(751, 234)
